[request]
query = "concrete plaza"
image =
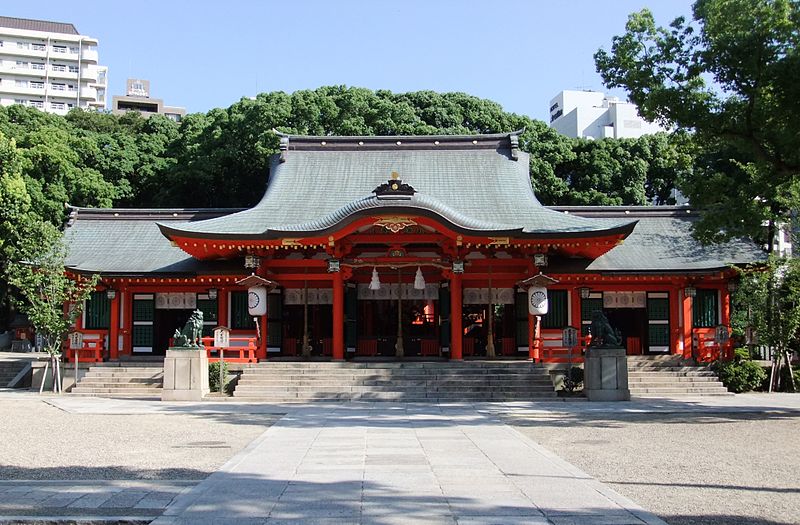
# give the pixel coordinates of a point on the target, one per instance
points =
(367, 463)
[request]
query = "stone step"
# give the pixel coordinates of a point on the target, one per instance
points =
(396, 365)
(405, 370)
(672, 379)
(101, 384)
(357, 388)
(125, 371)
(684, 372)
(119, 379)
(250, 383)
(154, 395)
(384, 396)
(423, 381)
(695, 389)
(678, 366)
(128, 391)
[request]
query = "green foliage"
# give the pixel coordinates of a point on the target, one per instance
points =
(740, 376)
(213, 375)
(730, 77)
(573, 379)
(97, 159)
(768, 299)
(44, 288)
(785, 381)
(229, 149)
(625, 171)
(741, 354)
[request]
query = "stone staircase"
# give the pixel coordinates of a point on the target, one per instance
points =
(128, 380)
(671, 376)
(9, 370)
(391, 381)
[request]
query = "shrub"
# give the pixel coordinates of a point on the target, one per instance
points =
(573, 379)
(741, 354)
(213, 375)
(740, 375)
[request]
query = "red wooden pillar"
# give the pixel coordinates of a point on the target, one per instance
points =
(456, 331)
(261, 353)
(222, 307)
(675, 336)
(113, 330)
(533, 346)
(338, 317)
(725, 301)
(127, 323)
(687, 326)
(575, 312)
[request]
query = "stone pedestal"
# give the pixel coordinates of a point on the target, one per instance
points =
(606, 375)
(185, 375)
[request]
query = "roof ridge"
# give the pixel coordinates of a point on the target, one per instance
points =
(382, 138)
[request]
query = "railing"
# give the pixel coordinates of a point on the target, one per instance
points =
(367, 347)
(549, 349)
(90, 352)
(706, 349)
(429, 347)
(243, 350)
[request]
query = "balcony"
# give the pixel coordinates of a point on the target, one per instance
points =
(89, 55)
(22, 71)
(12, 50)
(19, 90)
(89, 92)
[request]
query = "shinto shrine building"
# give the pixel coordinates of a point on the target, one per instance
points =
(414, 246)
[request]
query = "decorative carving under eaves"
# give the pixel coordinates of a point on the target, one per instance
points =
(395, 223)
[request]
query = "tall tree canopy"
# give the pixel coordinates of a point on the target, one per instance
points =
(730, 76)
(221, 158)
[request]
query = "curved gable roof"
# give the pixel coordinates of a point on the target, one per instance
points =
(475, 183)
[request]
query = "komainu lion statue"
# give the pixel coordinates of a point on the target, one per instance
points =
(192, 331)
(603, 335)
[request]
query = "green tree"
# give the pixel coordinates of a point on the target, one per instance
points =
(730, 77)
(15, 204)
(44, 288)
(768, 299)
(613, 172)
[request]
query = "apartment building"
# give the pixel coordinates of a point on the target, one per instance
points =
(592, 114)
(49, 66)
(137, 98)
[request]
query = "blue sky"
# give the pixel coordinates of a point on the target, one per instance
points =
(203, 54)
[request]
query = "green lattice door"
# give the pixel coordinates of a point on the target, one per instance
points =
(144, 306)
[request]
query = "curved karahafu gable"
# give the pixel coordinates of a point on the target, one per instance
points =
(472, 184)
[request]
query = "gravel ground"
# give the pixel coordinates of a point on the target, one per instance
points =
(688, 468)
(39, 441)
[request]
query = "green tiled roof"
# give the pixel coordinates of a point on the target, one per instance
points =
(662, 241)
(474, 184)
(128, 242)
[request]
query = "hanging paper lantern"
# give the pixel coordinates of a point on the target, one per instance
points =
(375, 283)
(257, 300)
(419, 280)
(537, 300)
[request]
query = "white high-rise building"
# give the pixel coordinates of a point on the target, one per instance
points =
(49, 66)
(591, 114)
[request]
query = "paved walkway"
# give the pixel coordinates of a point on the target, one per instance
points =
(130, 500)
(386, 464)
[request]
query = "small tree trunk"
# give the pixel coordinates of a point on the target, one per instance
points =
(790, 380)
(772, 375)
